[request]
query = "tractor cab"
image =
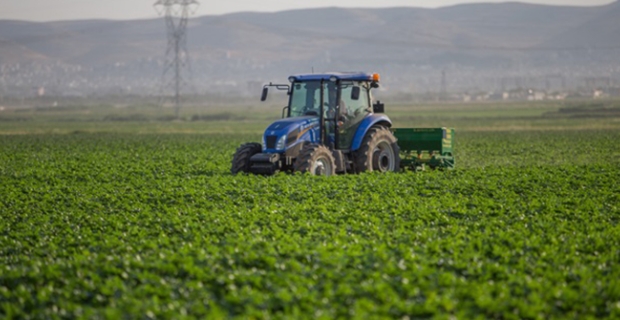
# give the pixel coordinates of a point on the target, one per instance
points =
(336, 102)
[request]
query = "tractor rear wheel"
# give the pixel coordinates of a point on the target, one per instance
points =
(241, 160)
(379, 152)
(316, 159)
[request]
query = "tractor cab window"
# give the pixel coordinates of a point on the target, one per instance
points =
(355, 107)
(306, 99)
(352, 111)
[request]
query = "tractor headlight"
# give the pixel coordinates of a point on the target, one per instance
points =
(281, 143)
(264, 143)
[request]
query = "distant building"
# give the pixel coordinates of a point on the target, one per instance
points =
(536, 95)
(600, 94)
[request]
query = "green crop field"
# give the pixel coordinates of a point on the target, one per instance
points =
(123, 213)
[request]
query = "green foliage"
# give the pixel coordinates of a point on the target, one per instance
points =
(154, 226)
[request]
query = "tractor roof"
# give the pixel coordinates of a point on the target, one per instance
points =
(350, 76)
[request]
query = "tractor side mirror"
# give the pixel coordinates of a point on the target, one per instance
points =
(355, 93)
(378, 107)
(263, 96)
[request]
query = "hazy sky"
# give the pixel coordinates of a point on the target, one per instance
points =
(52, 10)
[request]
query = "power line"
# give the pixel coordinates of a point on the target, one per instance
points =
(176, 13)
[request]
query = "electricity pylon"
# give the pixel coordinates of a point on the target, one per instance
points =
(177, 62)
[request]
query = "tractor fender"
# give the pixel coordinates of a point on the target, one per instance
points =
(369, 122)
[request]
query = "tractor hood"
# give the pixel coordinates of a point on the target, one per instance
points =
(285, 133)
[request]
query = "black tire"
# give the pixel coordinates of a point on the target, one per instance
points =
(379, 152)
(315, 159)
(241, 159)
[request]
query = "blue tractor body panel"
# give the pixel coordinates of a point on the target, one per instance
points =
(368, 122)
(288, 133)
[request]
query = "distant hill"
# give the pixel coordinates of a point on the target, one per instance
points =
(600, 31)
(256, 45)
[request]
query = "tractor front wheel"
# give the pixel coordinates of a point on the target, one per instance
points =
(241, 159)
(379, 152)
(316, 159)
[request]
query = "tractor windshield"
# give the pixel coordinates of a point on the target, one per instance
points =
(306, 98)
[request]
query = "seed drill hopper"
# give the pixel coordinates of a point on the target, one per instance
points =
(425, 146)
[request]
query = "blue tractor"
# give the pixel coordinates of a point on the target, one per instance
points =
(330, 126)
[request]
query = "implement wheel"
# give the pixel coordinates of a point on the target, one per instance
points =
(379, 152)
(315, 159)
(241, 160)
